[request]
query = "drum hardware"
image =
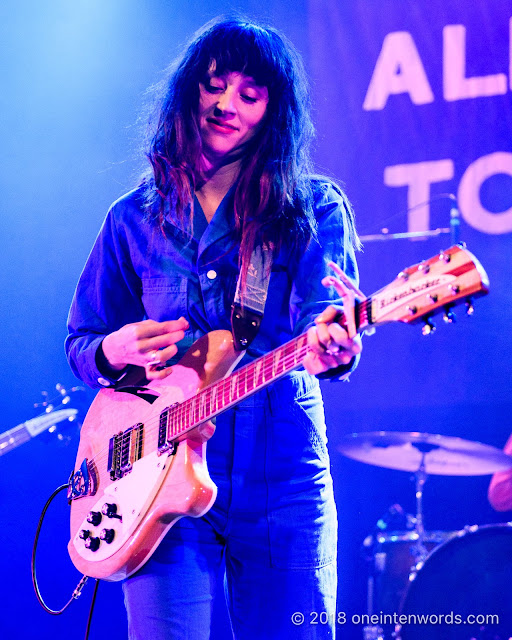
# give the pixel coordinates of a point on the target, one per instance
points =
(392, 560)
(422, 454)
(373, 632)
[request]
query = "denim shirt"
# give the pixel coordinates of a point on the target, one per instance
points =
(138, 269)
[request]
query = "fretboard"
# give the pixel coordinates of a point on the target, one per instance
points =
(247, 380)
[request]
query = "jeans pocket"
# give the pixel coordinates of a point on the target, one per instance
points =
(303, 528)
(301, 510)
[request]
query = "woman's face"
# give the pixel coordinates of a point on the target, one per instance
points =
(231, 109)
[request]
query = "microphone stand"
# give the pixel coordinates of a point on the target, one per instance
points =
(408, 235)
(453, 230)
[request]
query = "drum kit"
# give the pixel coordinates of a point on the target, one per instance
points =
(435, 585)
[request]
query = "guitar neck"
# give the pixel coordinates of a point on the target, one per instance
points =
(247, 380)
(416, 293)
(13, 438)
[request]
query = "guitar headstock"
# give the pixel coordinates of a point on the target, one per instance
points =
(37, 425)
(55, 410)
(424, 289)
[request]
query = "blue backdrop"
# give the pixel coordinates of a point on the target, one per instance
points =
(411, 101)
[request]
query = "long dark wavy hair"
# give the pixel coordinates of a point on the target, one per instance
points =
(273, 195)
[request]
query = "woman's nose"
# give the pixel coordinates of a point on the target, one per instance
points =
(226, 101)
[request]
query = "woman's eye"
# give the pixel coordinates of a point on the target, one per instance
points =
(211, 88)
(250, 99)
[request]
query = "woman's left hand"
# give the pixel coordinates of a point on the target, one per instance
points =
(331, 344)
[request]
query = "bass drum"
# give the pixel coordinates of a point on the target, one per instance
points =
(463, 590)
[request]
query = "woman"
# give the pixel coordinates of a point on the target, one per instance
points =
(230, 172)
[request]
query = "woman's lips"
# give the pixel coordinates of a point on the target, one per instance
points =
(221, 127)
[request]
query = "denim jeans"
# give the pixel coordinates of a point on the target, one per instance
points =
(269, 540)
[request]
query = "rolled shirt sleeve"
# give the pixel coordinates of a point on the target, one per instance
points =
(332, 244)
(107, 296)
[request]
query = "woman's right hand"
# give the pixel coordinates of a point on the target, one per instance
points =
(147, 344)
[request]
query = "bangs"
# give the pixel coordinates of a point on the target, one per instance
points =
(244, 48)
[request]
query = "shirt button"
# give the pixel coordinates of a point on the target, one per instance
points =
(104, 382)
(211, 275)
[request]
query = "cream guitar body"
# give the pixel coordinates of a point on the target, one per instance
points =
(132, 502)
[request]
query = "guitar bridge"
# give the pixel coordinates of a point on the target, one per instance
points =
(82, 482)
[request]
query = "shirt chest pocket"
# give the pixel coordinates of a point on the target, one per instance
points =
(164, 297)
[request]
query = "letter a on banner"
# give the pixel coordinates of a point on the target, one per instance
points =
(398, 69)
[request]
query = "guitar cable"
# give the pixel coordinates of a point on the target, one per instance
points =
(83, 580)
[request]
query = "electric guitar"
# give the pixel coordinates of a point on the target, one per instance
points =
(141, 462)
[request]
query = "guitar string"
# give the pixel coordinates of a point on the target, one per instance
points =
(263, 368)
(260, 369)
(187, 408)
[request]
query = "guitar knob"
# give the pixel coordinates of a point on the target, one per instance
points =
(470, 309)
(428, 328)
(84, 534)
(107, 535)
(92, 544)
(110, 510)
(94, 517)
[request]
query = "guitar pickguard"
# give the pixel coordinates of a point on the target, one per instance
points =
(140, 392)
(132, 496)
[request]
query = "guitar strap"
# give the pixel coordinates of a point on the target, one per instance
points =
(247, 308)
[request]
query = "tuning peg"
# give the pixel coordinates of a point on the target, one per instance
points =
(448, 315)
(429, 327)
(470, 309)
(45, 401)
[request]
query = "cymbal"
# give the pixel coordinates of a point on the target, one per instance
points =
(443, 455)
